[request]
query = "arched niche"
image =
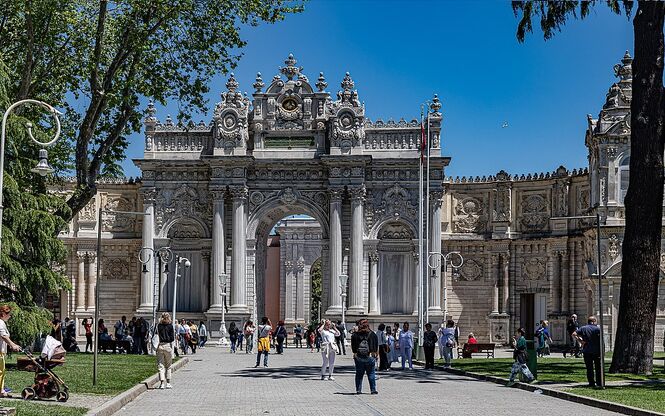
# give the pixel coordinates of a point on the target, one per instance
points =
(396, 268)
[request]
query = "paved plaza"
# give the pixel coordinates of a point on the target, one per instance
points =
(217, 382)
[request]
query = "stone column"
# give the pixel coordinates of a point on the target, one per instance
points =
(506, 283)
(288, 291)
(218, 254)
(80, 282)
(92, 279)
(356, 268)
(300, 301)
(495, 283)
(238, 267)
(435, 246)
(147, 280)
(373, 283)
(564, 281)
(335, 251)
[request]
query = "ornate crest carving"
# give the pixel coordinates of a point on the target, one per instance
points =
(613, 247)
(469, 215)
(471, 270)
(501, 209)
(230, 118)
(118, 222)
(288, 196)
(534, 212)
(115, 268)
(534, 268)
(181, 202)
(395, 231)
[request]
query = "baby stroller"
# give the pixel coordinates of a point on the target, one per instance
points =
(47, 384)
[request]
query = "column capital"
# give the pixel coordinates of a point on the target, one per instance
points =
(91, 255)
(358, 193)
(336, 193)
(238, 192)
(218, 195)
(81, 255)
(436, 197)
(149, 195)
(373, 256)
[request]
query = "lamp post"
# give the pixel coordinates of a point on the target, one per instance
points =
(600, 286)
(164, 255)
(95, 344)
(343, 278)
(187, 264)
(222, 327)
(42, 167)
(436, 259)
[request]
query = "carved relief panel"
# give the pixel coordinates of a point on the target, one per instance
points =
(469, 213)
(535, 212)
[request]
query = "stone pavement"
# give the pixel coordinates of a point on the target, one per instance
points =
(218, 382)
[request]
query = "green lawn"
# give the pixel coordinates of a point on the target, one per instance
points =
(115, 373)
(649, 396)
(38, 409)
(550, 370)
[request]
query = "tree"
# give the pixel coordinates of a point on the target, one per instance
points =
(316, 277)
(98, 60)
(31, 251)
(634, 345)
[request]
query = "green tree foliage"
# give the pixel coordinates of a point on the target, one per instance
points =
(98, 60)
(316, 277)
(640, 268)
(31, 253)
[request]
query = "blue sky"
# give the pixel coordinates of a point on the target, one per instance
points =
(400, 53)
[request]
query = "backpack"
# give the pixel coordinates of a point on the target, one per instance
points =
(363, 348)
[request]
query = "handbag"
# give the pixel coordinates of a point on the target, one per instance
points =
(154, 339)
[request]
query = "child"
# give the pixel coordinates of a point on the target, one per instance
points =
(520, 357)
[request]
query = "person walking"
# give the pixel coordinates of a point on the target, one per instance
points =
(297, 335)
(241, 337)
(383, 347)
(571, 327)
(263, 344)
(520, 358)
(233, 336)
(589, 337)
(429, 343)
(341, 328)
(185, 335)
(442, 343)
(280, 336)
(390, 344)
(194, 340)
(203, 334)
(249, 329)
(164, 351)
(544, 339)
(6, 344)
(405, 345)
(328, 333)
(448, 341)
(364, 345)
(87, 326)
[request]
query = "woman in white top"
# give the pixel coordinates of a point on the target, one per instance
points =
(328, 348)
(5, 343)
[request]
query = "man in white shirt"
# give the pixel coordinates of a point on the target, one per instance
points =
(5, 344)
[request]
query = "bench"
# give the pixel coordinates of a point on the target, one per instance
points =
(468, 350)
(114, 345)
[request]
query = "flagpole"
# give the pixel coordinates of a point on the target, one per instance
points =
(421, 258)
(427, 226)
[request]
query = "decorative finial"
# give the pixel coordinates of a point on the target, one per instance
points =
(169, 120)
(151, 112)
(435, 106)
(624, 70)
(347, 82)
(290, 70)
(232, 84)
(258, 84)
(627, 57)
(321, 83)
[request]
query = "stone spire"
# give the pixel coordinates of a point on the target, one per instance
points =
(290, 70)
(321, 83)
(258, 84)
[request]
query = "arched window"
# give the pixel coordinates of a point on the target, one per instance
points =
(622, 178)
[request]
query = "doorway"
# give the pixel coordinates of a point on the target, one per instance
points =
(533, 309)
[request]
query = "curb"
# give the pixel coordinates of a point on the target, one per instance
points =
(588, 401)
(118, 402)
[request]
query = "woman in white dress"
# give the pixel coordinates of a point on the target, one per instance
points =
(328, 348)
(390, 341)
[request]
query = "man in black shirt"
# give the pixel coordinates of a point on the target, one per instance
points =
(365, 346)
(341, 327)
(589, 336)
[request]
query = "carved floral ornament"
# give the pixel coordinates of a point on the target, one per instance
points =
(115, 268)
(534, 268)
(613, 247)
(471, 270)
(118, 222)
(535, 215)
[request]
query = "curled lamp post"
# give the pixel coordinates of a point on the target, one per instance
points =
(164, 255)
(600, 286)
(222, 327)
(42, 167)
(95, 344)
(436, 259)
(343, 278)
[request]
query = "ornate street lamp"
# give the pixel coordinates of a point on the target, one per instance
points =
(343, 278)
(164, 255)
(42, 167)
(436, 259)
(223, 277)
